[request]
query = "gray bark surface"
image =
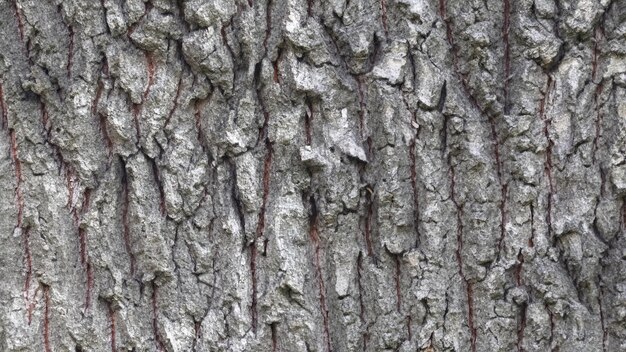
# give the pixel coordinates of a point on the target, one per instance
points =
(321, 175)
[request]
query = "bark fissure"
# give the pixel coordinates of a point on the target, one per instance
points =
(125, 220)
(315, 241)
(46, 318)
(491, 118)
(507, 53)
(111, 314)
(160, 345)
(548, 154)
(459, 255)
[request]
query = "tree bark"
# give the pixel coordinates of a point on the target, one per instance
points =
(320, 175)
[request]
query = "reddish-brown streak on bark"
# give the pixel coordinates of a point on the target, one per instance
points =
(125, 223)
(383, 14)
(70, 52)
(359, 84)
(531, 240)
(155, 326)
(111, 314)
(276, 69)
(359, 271)
(46, 319)
(315, 239)
(459, 255)
(3, 108)
(20, 213)
(268, 24)
(598, 122)
(548, 162)
(507, 53)
(31, 306)
(20, 23)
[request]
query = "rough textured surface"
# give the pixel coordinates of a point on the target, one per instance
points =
(313, 175)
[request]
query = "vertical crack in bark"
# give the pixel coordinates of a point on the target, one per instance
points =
(397, 277)
(267, 165)
(408, 327)
(548, 162)
(136, 108)
(605, 332)
(111, 314)
(46, 318)
(275, 63)
(274, 332)
(369, 210)
(198, 108)
(268, 24)
(19, 200)
(551, 338)
(362, 312)
(598, 120)
(70, 51)
(4, 109)
(598, 36)
(413, 163)
(531, 240)
(383, 15)
(522, 318)
(359, 85)
(416, 212)
(28, 261)
(125, 222)
(155, 320)
(490, 117)
(309, 8)
(102, 123)
(315, 240)
(459, 255)
(507, 53)
(176, 97)
(308, 120)
(157, 179)
(20, 23)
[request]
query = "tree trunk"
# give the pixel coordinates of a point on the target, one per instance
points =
(321, 175)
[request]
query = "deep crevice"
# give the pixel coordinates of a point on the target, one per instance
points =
(315, 241)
